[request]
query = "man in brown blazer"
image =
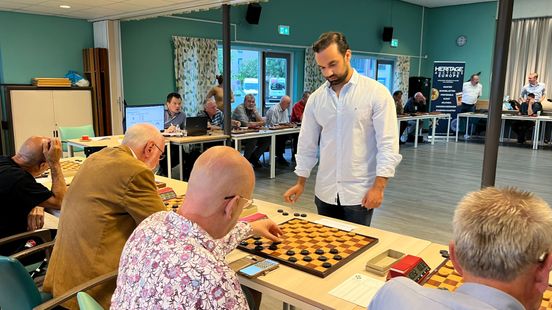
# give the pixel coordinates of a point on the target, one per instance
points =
(111, 194)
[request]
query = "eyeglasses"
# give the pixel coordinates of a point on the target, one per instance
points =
(162, 156)
(248, 202)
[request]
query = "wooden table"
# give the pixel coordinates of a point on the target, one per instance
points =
(213, 136)
(417, 118)
(307, 291)
(265, 134)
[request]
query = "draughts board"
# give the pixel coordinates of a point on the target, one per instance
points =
(173, 203)
(70, 165)
(310, 247)
(445, 277)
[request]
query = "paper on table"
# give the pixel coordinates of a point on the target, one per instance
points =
(328, 222)
(99, 138)
(358, 289)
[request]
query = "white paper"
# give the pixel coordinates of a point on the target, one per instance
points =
(99, 138)
(338, 225)
(358, 289)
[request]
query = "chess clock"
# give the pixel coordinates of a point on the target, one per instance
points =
(410, 266)
(461, 40)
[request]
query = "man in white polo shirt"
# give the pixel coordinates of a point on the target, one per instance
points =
(471, 91)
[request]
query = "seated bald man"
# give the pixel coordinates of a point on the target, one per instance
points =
(21, 194)
(176, 260)
(113, 191)
(502, 248)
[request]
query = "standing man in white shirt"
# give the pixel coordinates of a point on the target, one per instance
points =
(351, 121)
(471, 91)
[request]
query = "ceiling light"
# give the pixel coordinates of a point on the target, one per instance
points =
(64, 6)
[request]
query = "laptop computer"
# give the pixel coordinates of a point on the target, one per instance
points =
(196, 126)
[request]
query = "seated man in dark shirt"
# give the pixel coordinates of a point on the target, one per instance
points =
(21, 194)
(529, 108)
(415, 104)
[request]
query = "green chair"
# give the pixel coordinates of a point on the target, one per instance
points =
(66, 133)
(86, 302)
(17, 288)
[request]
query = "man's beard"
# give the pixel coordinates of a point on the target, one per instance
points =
(339, 79)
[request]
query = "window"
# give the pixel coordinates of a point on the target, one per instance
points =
(245, 69)
(377, 69)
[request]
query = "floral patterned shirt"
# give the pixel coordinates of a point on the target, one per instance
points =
(170, 262)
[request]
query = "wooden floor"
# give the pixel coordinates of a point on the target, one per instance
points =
(421, 198)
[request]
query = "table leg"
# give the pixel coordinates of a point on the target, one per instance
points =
(467, 134)
(542, 132)
(169, 161)
(70, 150)
(448, 127)
(287, 306)
(237, 145)
(272, 157)
(503, 124)
(181, 162)
(416, 133)
(457, 126)
(433, 130)
(536, 135)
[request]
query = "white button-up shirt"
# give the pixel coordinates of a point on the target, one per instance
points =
(470, 93)
(275, 115)
(357, 136)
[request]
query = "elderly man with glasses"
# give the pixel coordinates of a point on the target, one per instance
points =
(176, 260)
(111, 194)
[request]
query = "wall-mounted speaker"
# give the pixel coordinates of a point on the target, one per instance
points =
(387, 34)
(253, 13)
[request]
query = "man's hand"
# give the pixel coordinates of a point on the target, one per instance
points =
(374, 196)
(293, 193)
(268, 229)
(35, 219)
(51, 148)
(171, 128)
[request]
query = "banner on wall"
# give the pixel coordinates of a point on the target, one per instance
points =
(446, 93)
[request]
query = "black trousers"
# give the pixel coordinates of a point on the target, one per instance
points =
(521, 128)
(254, 148)
(355, 213)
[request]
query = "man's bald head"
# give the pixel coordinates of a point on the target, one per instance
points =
(285, 101)
(30, 152)
(219, 172)
(146, 141)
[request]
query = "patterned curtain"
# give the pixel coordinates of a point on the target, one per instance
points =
(400, 76)
(195, 66)
(313, 77)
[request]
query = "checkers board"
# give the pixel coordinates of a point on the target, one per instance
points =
(310, 247)
(445, 277)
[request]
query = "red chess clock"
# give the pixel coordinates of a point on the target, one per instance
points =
(410, 266)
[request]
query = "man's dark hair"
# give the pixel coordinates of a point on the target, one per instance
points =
(173, 95)
(397, 93)
(327, 38)
(220, 79)
(531, 95)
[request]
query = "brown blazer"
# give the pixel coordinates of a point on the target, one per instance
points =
(110, 195)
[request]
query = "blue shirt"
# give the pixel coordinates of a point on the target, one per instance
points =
(403, 293)
(538, 90)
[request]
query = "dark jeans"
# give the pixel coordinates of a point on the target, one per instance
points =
(294, 140)
(463, 109)
(355, 214)
(281, 141)
(254, 148)
(521, 128)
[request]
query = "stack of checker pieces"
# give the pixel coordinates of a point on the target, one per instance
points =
(310, 247)
(51, 82)
(445, 277)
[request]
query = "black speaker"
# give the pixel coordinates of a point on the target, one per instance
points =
(253, 13)
(387, 34)
(419, 84)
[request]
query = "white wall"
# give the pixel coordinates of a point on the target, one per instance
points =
(532, 8)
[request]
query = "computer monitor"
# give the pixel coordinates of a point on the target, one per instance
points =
(152, 114)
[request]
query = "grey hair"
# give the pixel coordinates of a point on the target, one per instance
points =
(500, 232)
(138, 135)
